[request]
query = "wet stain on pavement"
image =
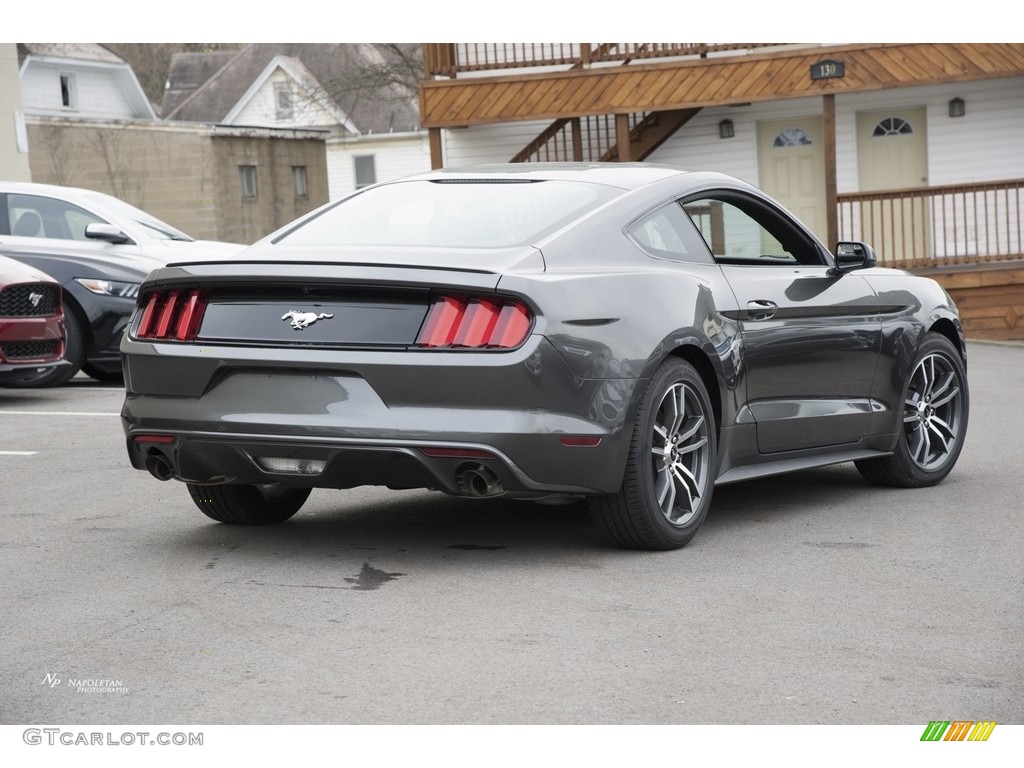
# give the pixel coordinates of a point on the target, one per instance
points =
(371, 578)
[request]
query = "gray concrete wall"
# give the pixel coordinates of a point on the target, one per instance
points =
(186, 174)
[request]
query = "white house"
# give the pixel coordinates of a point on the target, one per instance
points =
(349, 90)
(82, 80)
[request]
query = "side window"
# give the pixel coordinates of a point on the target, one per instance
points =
(743, 231)
(36, 216)
(666, 234)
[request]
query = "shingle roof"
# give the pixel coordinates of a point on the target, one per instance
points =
(81, 51)
(188, 72)
(357, 76)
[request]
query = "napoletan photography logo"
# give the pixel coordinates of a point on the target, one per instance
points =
(958, 730)
(86, 684)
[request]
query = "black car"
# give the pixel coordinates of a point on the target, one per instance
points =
(99, 297)
(629, 334)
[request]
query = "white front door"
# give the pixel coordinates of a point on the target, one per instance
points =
(892, 155)
(791, 157)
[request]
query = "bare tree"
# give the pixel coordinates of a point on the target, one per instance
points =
(58, 147)
(151, 62)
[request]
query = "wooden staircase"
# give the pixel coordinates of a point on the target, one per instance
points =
(650, 132)
(594, 138)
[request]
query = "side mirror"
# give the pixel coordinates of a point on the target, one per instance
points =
(107, 232)
(853, 255)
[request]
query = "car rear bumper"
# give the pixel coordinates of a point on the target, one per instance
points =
(399, 419)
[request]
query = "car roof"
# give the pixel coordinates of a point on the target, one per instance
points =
(624, 175)
(56, 190)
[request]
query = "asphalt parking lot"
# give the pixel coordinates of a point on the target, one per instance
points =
(808, 598)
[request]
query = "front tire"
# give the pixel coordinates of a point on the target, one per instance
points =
(935, 409)
(248, 504)
(101, 375)
(666, 491)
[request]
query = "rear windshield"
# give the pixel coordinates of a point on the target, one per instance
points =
(452, 213)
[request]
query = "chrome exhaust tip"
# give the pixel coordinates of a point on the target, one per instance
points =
(478, 481)
(159, 467)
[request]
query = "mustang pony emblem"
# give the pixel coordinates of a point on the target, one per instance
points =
(302, 320)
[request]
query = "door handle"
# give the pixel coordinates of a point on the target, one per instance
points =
(761, 309)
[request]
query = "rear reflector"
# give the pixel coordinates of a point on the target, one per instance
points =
(171, 315)
(475, 323)
(160, 439)
(580, 441)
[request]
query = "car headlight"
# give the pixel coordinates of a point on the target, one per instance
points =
(109, 287)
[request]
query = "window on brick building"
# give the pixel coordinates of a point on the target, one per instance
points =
(300, 181)
(247, 180)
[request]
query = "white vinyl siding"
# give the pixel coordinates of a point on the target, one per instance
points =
(488, 143)
(96, 93)
(262, 108)
(393, 158)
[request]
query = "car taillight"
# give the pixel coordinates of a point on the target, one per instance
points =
(475, 323)
(172, 315)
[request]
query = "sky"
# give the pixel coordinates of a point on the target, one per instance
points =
(874, 21)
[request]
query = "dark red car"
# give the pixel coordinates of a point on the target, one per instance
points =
(31, 321)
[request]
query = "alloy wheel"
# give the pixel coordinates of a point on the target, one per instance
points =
(680, 454)
(932, 412)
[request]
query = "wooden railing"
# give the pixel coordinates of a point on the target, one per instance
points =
(938, 226)
(589, 139)
(449, 59)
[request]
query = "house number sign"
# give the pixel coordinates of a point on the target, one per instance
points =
(826, 69)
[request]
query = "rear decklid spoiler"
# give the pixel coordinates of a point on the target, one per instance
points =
(482, 260)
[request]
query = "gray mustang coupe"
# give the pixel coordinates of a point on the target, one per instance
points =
(628, 334)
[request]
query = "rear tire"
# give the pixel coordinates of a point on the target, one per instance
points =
(248, 504)
(934, 424)
(666, 491)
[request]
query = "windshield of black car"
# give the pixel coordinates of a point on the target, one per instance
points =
(467, 213)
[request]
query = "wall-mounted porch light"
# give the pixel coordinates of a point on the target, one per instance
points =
(957, 108)
(726, 130)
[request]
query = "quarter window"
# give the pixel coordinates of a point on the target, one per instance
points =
(666, 234)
